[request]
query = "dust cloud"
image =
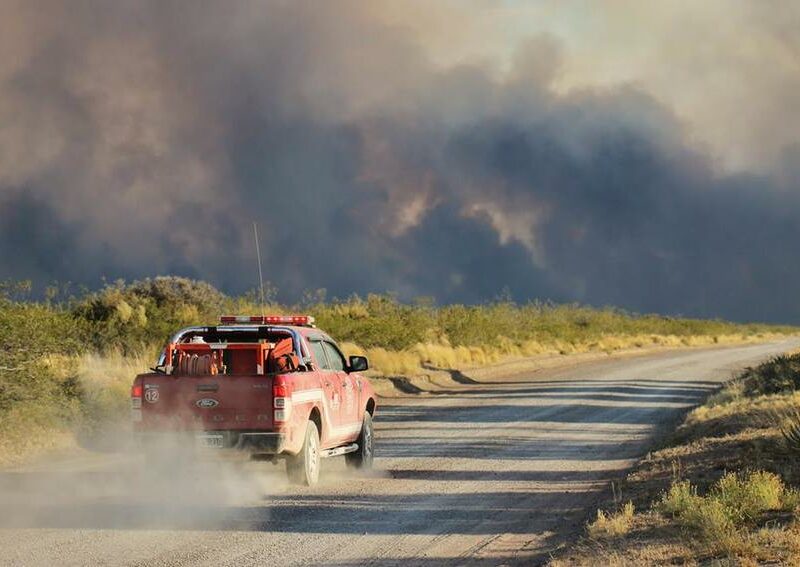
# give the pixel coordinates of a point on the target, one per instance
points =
(169, 486)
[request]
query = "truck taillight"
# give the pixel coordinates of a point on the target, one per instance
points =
(136, 402)
(136, 396)
(280, 401)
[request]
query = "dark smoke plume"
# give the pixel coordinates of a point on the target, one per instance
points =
(140, 138)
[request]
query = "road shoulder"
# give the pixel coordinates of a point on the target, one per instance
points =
(722, 487)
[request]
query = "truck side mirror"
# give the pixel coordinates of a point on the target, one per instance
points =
(358, 364)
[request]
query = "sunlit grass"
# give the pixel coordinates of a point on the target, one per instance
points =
(612, 525)
(721, 518)
(421, 357)
(94, 392)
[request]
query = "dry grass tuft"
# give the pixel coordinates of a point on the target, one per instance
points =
(393, 363)
(105, 382)
(612, 525)
(721, 519)
(100, 386)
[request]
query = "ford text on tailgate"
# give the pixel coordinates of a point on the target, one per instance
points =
(273, 387)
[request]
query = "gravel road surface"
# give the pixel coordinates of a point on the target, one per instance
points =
(491, 473)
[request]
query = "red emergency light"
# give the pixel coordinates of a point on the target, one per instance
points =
(302, 320)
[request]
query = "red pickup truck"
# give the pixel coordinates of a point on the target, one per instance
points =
(273, 387)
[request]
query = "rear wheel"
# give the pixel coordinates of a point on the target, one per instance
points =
(362, 459)
(303, 468)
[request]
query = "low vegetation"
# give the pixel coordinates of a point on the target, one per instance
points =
(723, 490)
(36, 395)
(609, 525)
(65, 363)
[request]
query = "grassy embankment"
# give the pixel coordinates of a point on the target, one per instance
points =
(65, 367)
(724, 490)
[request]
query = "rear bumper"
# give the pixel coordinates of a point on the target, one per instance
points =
(252, 442)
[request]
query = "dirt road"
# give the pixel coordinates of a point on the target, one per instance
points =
(492, 473)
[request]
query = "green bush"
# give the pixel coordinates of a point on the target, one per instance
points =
(735, 501)
(29, 333)
(712, 519)
(130, 316)
(679, 499)
(746, 497)
(781, 374)
(38, 387)
(378, 321)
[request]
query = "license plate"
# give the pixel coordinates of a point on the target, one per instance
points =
(209, 441)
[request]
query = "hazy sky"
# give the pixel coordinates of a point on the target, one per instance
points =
(641, 154)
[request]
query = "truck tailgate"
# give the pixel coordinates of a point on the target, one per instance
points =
(206, 402)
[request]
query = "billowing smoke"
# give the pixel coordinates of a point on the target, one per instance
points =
(144, 138)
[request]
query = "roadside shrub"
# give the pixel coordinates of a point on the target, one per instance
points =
(781, 374)
(607, 526)
(706, 517)
(712, 519)
(731, 392)
(393, 363)
(38, 389)
(791, 499)
(377, 321)
(28, 334)
(169, 291)
(679, 499)
(746, 497)
(132, 316)
(789, 423)
(733, 503)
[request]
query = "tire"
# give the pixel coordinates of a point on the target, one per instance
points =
(303, 468)
(362, 459)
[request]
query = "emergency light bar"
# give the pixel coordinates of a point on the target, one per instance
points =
(302, 320)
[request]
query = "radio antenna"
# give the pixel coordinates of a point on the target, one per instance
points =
(260, 274)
